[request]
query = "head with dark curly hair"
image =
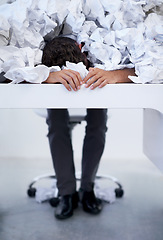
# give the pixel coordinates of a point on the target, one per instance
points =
(61, 49)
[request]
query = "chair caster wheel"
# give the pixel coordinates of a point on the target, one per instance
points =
(119, 192)
(31, 192)
(54, 201)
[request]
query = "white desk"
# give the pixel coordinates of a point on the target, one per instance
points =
(148, 97)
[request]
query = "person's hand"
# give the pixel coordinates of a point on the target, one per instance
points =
(100, 78)
(69, 78)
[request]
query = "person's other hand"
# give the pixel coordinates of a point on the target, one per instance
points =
(69, 78)
(100, 78)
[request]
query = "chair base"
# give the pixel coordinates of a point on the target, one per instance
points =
(31, 192)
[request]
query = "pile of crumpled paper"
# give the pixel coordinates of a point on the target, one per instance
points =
(117, 34)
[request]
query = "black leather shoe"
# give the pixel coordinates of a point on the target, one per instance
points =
(90, 203)
(66, 206)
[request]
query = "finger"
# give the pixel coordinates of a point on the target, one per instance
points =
(75, 78)
(78, 76)
(92, 80)
(88, 77)
(67, 86)
(103, 84)
(67, 77)
(97, 83)
(91, 69)
(93, 72)
(69, 81)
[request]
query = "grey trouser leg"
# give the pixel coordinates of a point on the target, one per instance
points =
(62, 153)
(61, 150)
(93, 146)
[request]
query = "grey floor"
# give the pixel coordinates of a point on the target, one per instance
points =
(138, 215)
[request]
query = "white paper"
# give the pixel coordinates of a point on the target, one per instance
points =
(78, 67)
(33, 75)
(117, 34)
(4, 31)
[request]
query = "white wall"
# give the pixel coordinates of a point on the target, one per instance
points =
(6, 1)
(2, 2)
(23, 134)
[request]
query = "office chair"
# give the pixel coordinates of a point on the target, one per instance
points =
(74, 120)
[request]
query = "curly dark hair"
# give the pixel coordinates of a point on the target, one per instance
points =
(61, 49)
